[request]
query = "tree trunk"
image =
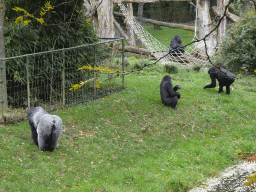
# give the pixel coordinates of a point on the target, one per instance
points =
(205, 28)
(140, 15)
(140, 12)
(3, 91)
(106, 20)
(223, 25)
(130, 33)
(90, 6)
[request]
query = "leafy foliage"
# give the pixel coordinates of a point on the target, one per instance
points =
(172, 69)
(251, 178)
(238, 50)
(45, 25)
(241, 7)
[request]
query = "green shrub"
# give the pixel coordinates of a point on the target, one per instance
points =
(172, 69)
(238, 50)
(197, 68)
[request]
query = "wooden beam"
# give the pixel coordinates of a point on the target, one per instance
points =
(161, 23)
(121, 30)
(174, 25)
(233, 17)
(136, 50)
(220, 13)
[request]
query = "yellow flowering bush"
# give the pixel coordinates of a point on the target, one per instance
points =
(43, 11)
(98, 70)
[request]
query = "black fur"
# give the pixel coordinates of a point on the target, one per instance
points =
(169, 95)
(176, 48)
(45, 128)
(224, 77)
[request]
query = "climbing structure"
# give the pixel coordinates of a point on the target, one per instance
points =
(191, 55)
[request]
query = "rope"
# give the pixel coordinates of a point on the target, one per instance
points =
(156, 47)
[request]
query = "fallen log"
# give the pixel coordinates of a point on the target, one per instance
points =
(161, 23)
(135, 50)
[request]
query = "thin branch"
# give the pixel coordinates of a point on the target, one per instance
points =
(73, 11)
(94, 8)
(141, 68)
(254, 2)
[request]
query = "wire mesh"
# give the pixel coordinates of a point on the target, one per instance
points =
(45, 79)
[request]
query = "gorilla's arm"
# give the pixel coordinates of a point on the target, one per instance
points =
(213, 83)
(176, 88)
(172, 91)
(34, 114)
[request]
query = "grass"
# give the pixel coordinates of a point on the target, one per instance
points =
(165, 36)
(130, 141)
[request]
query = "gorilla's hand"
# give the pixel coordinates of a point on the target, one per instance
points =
(176, 88)
(177, 94)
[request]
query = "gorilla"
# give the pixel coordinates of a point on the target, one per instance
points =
(45, 128)
(176, 48)
(169, 96)
(224, 77)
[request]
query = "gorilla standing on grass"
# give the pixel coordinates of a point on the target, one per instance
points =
(224, 77)
(176, 48)
(169, 96)
(45, 128)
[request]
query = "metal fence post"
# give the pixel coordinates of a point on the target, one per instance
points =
(123, 61)
(63, 80)
(28, 86)
(2, 90)
(94, 84)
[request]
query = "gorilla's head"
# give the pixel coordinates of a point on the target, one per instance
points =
(167, 78)
(178, 39)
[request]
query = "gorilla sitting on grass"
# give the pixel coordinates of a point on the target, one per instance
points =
(45, 128)
(224, 77)
(169, 96)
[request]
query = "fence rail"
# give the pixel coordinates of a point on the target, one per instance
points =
(45, 78)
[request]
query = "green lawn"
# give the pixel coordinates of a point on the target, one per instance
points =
(130, 141)
(165, 36)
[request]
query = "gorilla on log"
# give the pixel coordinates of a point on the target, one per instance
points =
(176, 48)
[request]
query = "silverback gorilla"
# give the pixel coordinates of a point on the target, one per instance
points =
(169, 96)
(176, 48)
(45, 128)
(224, 77)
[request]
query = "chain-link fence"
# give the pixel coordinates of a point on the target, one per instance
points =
(46, 79)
